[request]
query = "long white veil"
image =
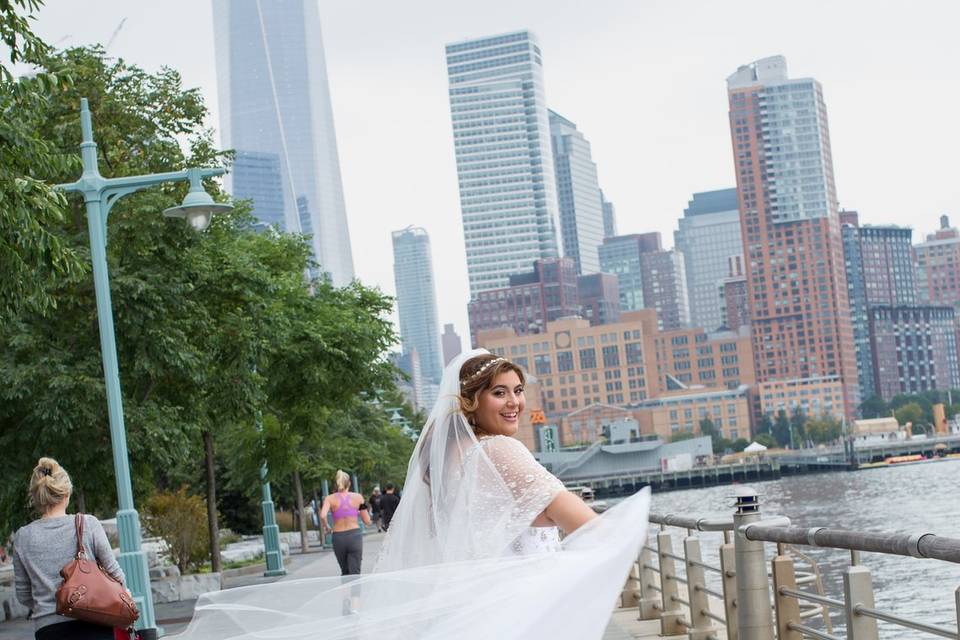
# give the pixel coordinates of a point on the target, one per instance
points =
(442, 571)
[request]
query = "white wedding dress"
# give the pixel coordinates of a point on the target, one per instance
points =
(461, 559)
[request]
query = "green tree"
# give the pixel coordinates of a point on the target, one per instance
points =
(910, 412)
(823, 429)
(874, 407)
(33, 252)
(766, 440)
(781, 428)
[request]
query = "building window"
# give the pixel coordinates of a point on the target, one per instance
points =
(588, 358)
(611, 356)
(564, 361)
(541, 365)
(634, 353)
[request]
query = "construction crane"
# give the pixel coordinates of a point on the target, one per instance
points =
(113, 36)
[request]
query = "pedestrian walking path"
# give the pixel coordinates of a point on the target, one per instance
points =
(317, 563)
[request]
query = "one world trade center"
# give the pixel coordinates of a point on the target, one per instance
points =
(275, 112)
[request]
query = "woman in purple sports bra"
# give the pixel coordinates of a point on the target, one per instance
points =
(348, 509)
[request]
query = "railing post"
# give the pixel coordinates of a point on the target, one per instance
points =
(754, 616)
(787, 607)
(669, 614)
(858, 590)
(648, 598)
(728, 564)
(701, 626)
(956, 596)
(630, 596)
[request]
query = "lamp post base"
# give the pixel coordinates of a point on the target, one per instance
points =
(271, 543)
(133, 561)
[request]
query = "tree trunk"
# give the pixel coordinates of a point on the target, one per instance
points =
(212, 505)
(298, 486)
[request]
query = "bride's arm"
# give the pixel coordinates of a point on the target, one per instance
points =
(566, 511)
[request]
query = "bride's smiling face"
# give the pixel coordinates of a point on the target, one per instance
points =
(499, 408)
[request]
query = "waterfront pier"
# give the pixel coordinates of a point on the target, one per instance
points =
(747, 595)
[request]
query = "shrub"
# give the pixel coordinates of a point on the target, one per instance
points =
(180, 519)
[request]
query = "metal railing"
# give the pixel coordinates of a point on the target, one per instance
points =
(745, 595)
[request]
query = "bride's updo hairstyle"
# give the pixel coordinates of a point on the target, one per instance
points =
(477, 375)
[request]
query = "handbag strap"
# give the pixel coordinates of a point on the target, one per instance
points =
(78, 522)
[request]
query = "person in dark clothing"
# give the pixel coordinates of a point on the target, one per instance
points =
(388, 504)
(374, 503)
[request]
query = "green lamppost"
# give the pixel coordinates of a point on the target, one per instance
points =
(100, 194)
(271, 532)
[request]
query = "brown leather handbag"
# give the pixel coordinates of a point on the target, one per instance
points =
(90, 593)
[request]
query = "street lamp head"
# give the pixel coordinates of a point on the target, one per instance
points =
(197, 208)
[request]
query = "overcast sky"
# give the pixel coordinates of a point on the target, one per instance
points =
(643, 80)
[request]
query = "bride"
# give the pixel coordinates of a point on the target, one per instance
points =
(470, 550)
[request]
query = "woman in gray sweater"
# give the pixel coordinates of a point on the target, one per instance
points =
(44, 546)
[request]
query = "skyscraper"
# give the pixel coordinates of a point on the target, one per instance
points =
(708, 236)
(879, 266)
(800, 315)
(609, 217)
(452, 345)
(938, 266)
(417, 300)
(501, 137)
(578, 192)
(275, 112)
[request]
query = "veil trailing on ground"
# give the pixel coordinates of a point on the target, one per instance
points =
(444, 570)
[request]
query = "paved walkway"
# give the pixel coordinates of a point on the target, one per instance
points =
(173, 617)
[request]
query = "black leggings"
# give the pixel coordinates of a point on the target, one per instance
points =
(74, 630)
(348, 547)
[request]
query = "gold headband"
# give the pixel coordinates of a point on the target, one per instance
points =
(485, 366)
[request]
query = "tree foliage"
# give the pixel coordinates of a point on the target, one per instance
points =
(211, 328)
(180, 520)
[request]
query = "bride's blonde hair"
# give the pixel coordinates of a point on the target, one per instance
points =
(477, 375)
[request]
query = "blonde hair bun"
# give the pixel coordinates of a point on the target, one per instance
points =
(49, 484)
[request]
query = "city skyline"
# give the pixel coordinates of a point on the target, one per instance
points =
(653, 149)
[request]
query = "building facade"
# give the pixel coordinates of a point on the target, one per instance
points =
(599, 295)
(815, 397)
(609, 217)
(665, 288)
(938, 266)
(736, 298)
(617, 364)
(800, 314)
(914, 349)
(880, 271)
(501, 136)
(417, 299)
(275, 112)
(530, 300)
(649, 277)
(682, 411)
(708, 235)
(578, 194)
(451, 343)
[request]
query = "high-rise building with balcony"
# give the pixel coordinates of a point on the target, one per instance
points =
(275, 112)
(708, 236)
(578, 193)
(800, 314)
(417, 300)
(501, 137)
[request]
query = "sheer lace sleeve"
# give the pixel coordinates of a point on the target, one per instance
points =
(532, 486)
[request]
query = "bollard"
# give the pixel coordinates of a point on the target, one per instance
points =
(648, 598)
(728, 563)
(787, 607)
(701, 627)
(630, 596)
(858, 590)
(670, 615)
(754, 616)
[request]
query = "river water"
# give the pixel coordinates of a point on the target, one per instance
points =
(917, 498)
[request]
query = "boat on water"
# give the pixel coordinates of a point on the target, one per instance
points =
(586, 494)
(909, 459)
